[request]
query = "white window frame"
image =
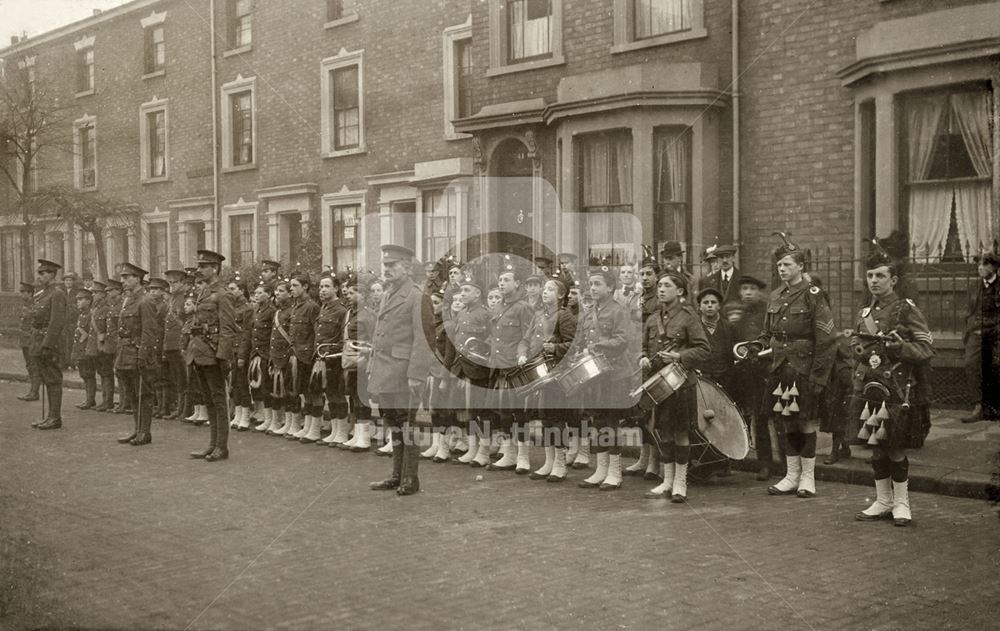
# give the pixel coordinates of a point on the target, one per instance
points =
(81, 46)
(450, 38)
(150, 107)
(499, 41)
(343, 59)
(240, 208)
(155, 216)
(79, 124)
(624, 34)
(343, 197)
(228, 90)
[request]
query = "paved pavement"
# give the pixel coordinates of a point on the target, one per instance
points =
(285, 536)
(957, 459)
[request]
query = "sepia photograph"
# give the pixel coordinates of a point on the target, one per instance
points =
(499, 314)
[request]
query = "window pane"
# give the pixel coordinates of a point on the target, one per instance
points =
(334, 9)
(657, 17)
(157, 248)
(88, 156)
(529, 27)
(242, 121)
(346, 111)
(155, 123)
(672, 184)
(7, 261)
(463, 82)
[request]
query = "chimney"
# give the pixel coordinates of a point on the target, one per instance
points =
(14, 40)
(97, 12)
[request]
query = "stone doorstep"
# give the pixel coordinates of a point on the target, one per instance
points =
(923, 478)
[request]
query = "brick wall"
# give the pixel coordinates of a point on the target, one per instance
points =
(798, 121)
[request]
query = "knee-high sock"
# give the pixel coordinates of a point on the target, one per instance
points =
(900, 471)
(682, 453)
(808, 449)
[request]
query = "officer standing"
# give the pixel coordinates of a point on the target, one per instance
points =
(27, 291)
(400, 363)
(211, 350)
(48, 325)
(98, 334)
(138, 360)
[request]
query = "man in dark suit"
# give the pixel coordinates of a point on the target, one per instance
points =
(981, 345)
(399, 366)
(726, 279)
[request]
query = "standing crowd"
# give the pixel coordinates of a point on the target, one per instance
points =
(318, 359)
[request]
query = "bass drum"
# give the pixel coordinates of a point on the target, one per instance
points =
(721, 434)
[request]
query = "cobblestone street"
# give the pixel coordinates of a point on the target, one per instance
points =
(99, 535)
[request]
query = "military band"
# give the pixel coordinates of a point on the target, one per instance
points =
(316, 359)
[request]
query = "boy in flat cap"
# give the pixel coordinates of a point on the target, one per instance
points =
(48, 325)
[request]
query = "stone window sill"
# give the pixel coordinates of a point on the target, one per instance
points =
(238, 51)
(346, 19)
(660, 40)
(555, 60)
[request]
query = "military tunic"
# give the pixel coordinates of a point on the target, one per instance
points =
(798, 328)
(897, 376)
(262, 321)
(281, 356)
(558, 326)
(328, 331)
(607, 329)
(676, 328)
(469, 335)
(303, 333)
(47, 314)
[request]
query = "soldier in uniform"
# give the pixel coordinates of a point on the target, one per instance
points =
(213, 335)
(327, 376)
(648, 464)
(747, 317)
(607, 329)
(725, 279)
(48, 326)
(893, 350)
(798, 328)
(510, 324)
(258, 369)
(95, 343)
(71, 283)
(359, 323)
(84, 363)
(281, 362)
(176, 373)
(237, 291)
(109, 347)
(469, 365)
(399, 366)
(549, 338)
(139, 338)
(674, 334)
(34, 381)
(157, 293)
(269, 273)
(302, 331)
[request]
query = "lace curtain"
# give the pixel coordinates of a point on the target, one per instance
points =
(606, 191)
(657, 17)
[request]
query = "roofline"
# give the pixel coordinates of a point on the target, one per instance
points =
(79, 25)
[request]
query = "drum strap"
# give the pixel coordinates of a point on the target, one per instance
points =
(281, 329)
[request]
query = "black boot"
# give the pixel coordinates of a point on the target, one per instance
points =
(215, 435)
(90, 389)
(176, 412)
(104, 405)
(54, 418)
(220, 429)
(392, 482)
(127, 440)
(410, 483)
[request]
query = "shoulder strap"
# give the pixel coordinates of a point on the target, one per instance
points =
(281, 329)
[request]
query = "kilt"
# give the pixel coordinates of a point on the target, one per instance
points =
(906, 428)
(678, 412)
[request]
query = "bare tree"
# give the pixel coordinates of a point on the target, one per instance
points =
(32, 121)
(88, 210)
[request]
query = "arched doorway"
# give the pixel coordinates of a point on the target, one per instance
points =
(512, 210)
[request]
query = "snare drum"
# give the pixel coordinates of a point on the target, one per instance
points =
(534, 374)
(585, 368)
(660, 386)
